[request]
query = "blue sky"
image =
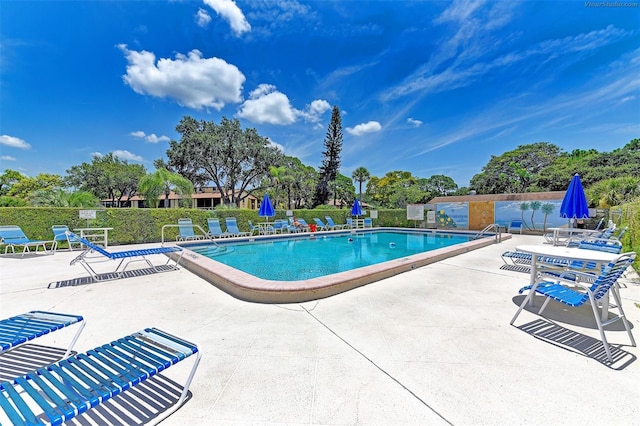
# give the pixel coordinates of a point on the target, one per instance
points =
(424, 86)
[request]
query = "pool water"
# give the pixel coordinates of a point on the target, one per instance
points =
(294, 259)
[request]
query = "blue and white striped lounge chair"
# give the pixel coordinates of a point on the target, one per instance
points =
(232, 228)
(332, 225)
(59, 392)
(574, 293)
(186, 232)
(20, 329)
(60, 234)
(12, 236)
(130, 256)
(215, 230)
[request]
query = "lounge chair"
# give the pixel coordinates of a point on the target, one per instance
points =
(215, 230)
(280, 226)
(59, 392)
(303, 223)
(23, 328)
(12, 236)
(60, 234)
(332, 225)
(186, 232)
(130, 256)
(232, 228)
(574, 293)
(368, 222)
(253, 229)
(320, 224)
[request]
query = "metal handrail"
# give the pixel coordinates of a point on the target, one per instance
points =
(496, 229)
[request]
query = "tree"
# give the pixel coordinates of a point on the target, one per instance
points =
(514, 170)
(440, 185)
(277, 176)
(107, 177)
(25, 186)
(235, 160)
(331, 159)
(8, 179)
(614, 192)
(162, 181)
(61, 198)
(360, 175)
(345, 192)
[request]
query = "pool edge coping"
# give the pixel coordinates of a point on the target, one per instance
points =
(247, 287)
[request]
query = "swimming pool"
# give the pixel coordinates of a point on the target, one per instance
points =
(306, 257)
(246, 286)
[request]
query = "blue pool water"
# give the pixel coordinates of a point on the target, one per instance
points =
(294, 259)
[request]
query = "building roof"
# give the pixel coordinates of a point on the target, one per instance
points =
(525, 196)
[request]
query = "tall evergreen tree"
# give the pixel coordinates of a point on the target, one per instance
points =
(331, 159)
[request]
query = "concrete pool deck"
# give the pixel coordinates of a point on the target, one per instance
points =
(430, 346)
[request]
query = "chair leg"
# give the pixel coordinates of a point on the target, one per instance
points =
(522, 305)
(596, 314)
(616, 296)
(544, 305)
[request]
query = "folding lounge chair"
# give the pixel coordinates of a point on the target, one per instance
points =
(232, 227)
(130, 256)
(186, 232)
(60, 234)
(574, 293)
(332, 225)
(215, 230)
(59, 392)
(12, 236)
(23, 328)
(321, 225)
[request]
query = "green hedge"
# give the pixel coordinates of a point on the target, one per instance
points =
(631, 239)
(132, 226)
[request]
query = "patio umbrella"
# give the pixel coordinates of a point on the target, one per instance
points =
(356, 210)
(574, 204)
(266, 208)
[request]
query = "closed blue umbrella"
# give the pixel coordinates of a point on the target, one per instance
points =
(356, 210)
(266, 208)
(574, 204)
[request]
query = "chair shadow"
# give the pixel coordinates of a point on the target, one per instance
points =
(138, 405)
(548, 330)
(25, 358)
(110, 276)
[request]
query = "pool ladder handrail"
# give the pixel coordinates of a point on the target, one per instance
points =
(496, 229)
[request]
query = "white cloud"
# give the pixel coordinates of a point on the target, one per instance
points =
(268, 105)
(7, 158)
(193, 81)
(230, 11)
(414, 122)
(361, 129)
(13, 142)
(202, 18)
(126, 155)
(152, 138)
(314, 110)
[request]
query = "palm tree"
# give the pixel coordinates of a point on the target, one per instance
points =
(535, 205)
(547, 209)
(360, 175)
(277, 175)
(162, 181)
